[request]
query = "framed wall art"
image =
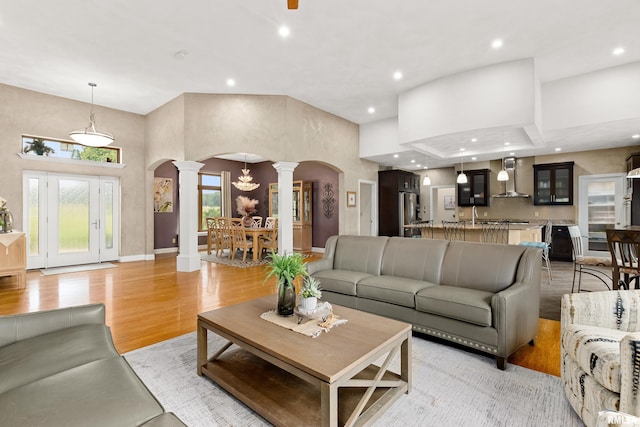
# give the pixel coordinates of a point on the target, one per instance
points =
(351, 199)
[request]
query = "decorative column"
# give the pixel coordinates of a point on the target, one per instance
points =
(188, 258)
(285, 206)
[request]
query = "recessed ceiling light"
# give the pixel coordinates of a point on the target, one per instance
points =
(474, 158)
(618, 51)
(371, 110)
(507, 143)
(512, 153)
(474, 139)
(397, 75)
(418, 165)
(180, 54)
(425, 167)
(284, 31)
(231, 82)
(463, 149)
(558, 149)
(496, 44)
(636, 136)
(395, 156)
(413, 161)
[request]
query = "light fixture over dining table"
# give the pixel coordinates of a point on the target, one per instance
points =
(244, 182)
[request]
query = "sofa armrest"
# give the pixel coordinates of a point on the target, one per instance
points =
(516, 311)
(630, 374)
(315, 266)
(18, 327)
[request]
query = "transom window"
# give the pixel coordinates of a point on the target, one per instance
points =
(39, 146)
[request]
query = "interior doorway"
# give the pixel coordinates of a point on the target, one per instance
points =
(367, 201)
(443, 204)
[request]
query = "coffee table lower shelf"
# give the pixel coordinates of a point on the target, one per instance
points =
(286, 400)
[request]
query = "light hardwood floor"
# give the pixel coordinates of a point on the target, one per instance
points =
(148, 302)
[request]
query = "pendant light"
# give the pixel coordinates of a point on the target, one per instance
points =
(503, 175)
(426, 180)
(244, 182)
(462, 178)
(89, 136)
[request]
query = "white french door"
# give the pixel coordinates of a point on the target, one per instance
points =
(70, 219)
(601, 206)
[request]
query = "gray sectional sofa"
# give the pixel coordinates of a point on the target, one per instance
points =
(60, 368)
(484, 296)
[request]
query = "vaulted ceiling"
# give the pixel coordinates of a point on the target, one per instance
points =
(339, 56)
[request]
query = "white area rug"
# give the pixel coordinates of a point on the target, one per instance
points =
(451, 387)
(76, 268)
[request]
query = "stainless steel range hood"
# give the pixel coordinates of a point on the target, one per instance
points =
(510, 186)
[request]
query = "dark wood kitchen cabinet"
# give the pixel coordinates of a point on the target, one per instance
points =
(476, 191)
(553, 184)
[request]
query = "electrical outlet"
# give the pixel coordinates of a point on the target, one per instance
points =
(485, 214)
(535, 213)
(461, 214)
(173, 240)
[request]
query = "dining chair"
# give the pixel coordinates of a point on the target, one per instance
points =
(495, 232)
(225, 235)
(624, 247)
(545, 245)
(257, 222)
(586, 264)
(269, 221)
(211, 234)
(240, 240)
(269, 241)
(454, 230)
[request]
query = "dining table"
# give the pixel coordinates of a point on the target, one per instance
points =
(255, 234)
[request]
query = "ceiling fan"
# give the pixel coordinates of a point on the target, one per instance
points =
(292, 4)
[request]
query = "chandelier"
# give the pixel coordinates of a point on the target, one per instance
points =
(244, 181)
(89, 136)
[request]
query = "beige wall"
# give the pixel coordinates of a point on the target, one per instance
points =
(32, 113)
(586, 163)
(189, 127)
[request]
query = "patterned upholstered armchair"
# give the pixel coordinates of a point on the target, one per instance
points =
(600, 345)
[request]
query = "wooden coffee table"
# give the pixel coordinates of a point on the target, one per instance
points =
(295, 380)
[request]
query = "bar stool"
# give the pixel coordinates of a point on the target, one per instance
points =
(586, 264)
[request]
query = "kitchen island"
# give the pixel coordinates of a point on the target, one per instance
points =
(518, 232)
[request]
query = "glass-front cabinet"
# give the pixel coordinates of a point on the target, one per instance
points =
(553, 184)
(301, 212)
(475, 191)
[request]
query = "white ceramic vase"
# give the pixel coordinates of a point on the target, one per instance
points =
(308, 304)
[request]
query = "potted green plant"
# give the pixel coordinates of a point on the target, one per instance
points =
(286, 268)
(309, 293)
(39, 147)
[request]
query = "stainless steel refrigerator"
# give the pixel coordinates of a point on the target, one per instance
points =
(407, 206)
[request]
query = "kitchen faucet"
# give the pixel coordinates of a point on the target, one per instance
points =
(474, 215)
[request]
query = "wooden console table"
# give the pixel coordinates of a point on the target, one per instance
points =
(13, 256)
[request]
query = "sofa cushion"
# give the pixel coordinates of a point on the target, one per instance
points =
(102, 393)
(597, 351)
(394, 290)
(360, 253)
(468, 305)
(482, 266)
(340, 281)
(41, 356)
(405, 257)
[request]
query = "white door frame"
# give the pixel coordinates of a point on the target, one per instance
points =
(583, 220)
(105, 216)
(373, 214)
